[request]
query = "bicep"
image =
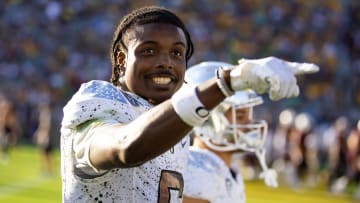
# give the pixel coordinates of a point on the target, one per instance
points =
(94, 144)
(106, 146)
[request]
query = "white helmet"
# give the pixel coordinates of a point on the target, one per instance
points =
(217, 132)
(203, 71)
(220, 134)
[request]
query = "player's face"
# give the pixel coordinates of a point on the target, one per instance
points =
(242, 116)
(155, 61)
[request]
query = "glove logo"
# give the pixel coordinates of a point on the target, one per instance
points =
(201, 111)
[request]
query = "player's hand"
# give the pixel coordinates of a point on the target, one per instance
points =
(271, 74)
(270, 177)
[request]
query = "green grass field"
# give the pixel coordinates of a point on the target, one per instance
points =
(21, 181)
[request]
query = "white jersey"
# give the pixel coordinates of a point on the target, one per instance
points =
(101, 103)
(208, 178)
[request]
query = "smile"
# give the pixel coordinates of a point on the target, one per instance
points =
(161, 80)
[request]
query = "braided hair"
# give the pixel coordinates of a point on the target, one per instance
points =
(145, 15)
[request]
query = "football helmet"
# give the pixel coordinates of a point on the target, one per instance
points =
(227, 133)
(203, 71)
(218, 132)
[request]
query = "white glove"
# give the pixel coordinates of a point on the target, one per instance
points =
(271, 74)
(270, 177)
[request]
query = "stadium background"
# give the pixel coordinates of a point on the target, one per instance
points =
(48, 48)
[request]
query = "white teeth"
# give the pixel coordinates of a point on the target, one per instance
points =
(161, 80)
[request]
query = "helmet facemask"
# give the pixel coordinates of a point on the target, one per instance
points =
(228, 130)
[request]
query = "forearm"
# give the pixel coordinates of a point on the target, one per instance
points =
(152, 134)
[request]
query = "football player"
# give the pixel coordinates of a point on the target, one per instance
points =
(126, 141)
(229, 129)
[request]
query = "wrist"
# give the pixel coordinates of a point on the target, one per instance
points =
(188, 106)
(227, 78)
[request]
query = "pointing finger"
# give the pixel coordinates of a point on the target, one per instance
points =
(303, 68)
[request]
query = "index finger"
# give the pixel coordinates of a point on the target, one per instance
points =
(303, 68)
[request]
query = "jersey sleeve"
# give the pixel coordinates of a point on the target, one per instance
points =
(98, 100)
(81, 145)
(96, 103)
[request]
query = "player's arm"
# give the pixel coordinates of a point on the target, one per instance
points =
(192, 200)
(148, 136)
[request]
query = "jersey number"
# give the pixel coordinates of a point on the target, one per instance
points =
(170, 180)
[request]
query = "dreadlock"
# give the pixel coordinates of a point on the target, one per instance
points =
(145, 15)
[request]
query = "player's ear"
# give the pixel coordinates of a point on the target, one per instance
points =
(121, 61)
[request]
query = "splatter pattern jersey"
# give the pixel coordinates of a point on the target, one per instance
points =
(208, 178)
(101, 103)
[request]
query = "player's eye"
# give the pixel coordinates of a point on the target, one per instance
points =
(148, 51)
(177, 53)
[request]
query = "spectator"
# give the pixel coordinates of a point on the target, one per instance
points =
(9, 128)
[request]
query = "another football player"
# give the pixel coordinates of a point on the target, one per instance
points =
(229, 129)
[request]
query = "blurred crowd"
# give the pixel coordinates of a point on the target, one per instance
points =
(48, 48)
(310, 153)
